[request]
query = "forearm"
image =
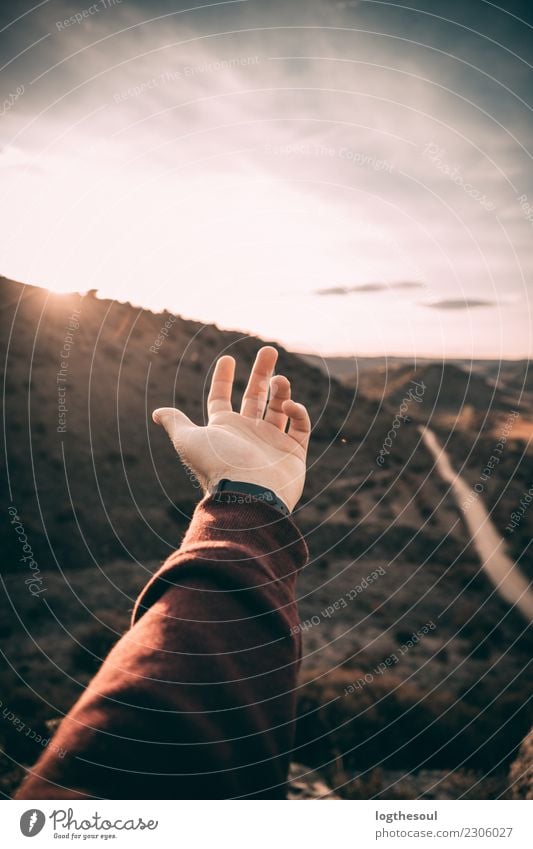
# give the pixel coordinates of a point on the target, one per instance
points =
(197, 700)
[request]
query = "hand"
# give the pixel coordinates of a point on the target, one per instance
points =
(249, 446)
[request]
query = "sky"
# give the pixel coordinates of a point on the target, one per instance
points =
(343, 177)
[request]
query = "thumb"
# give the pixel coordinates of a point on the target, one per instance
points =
(176, 423)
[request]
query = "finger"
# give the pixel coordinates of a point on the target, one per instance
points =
(280, 391)
(256, 393)
(176, 424)
(219, 398)
(299, 422)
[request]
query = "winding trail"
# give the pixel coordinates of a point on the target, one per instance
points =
(508, 579)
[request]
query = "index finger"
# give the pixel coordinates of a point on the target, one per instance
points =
(219, 398)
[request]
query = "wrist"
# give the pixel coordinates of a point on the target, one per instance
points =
(241, 492)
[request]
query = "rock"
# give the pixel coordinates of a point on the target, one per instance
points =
(521, 772)
(442, 784)
(305, 783)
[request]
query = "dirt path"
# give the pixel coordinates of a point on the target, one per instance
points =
(489, 544)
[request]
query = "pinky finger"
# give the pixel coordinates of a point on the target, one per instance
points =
(299, 422)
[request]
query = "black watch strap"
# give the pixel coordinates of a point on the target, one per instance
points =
(248, 492)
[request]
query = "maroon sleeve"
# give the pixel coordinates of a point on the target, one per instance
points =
(197, 700)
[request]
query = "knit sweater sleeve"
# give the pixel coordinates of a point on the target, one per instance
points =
(197, 699)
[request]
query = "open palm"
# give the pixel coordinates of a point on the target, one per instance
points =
(254, 445)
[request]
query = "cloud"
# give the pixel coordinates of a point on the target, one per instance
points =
(333, 290)
(457, 304)
(369, 287)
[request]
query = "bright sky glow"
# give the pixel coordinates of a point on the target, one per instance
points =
(227, 163)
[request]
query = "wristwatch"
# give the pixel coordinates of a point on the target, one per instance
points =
(246, 493)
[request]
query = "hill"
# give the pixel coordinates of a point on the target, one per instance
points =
(91, 473)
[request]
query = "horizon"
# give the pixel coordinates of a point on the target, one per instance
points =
(347, 176)
(267, 340)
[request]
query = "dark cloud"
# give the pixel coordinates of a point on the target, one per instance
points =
(368, 287)
(465, 304)
(333, 290)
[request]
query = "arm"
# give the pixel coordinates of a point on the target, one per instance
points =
(197, 699)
